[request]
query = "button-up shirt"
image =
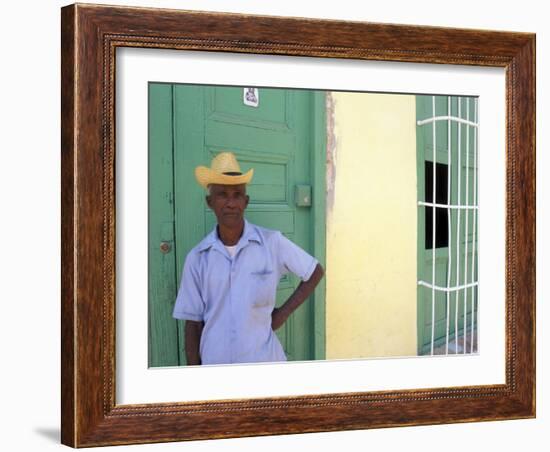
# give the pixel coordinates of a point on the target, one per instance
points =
(235, 296)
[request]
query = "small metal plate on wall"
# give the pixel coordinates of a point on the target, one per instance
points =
(302, 195)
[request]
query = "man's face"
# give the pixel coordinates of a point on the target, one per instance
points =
(228, 203)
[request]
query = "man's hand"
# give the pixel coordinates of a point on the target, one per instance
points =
(304, 290)
(193, 332)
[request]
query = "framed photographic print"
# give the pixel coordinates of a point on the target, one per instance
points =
(393, 166)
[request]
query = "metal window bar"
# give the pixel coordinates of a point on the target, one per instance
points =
(446, 118)
(433, 223)
(467, 200)
(458, 230)
(467, 207)
(449, 172)
(447, 206)
(475, 201)
(447, 289)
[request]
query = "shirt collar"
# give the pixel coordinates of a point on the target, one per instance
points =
(250, 233)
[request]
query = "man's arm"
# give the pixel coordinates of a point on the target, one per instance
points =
(304, 290)
(193, 332)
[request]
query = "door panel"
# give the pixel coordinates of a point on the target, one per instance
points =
(163, 329)
(266, 138)
(226, 105)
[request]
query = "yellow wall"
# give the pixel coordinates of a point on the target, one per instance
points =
(371, 226)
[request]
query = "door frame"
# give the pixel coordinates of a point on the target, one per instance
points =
(319, 215)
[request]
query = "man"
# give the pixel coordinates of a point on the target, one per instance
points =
(229, 282)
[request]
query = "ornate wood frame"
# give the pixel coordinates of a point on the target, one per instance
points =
(90, 35)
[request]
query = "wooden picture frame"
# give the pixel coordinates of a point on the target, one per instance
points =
(90, 36)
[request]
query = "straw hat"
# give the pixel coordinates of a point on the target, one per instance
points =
(224, 170)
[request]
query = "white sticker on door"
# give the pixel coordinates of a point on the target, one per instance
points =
(251, 97)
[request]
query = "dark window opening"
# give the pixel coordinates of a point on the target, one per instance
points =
(441, 213)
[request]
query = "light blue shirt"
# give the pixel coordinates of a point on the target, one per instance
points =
(234, 297)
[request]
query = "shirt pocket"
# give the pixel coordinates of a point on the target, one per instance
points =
(263, 289)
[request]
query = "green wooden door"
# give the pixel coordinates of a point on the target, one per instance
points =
(454, 262)
(281, 139)
(162, 279)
